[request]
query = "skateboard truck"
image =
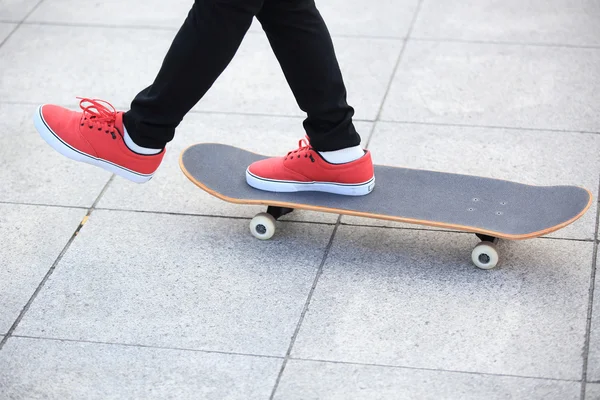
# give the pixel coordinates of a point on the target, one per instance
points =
(278, 212)
(485, 254)
(262, 225)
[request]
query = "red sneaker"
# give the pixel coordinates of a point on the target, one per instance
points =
(94, 136)
(305, 170)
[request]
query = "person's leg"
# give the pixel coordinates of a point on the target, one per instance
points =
(303, 46)
(332, 161)
(202, 49)
(132, 144)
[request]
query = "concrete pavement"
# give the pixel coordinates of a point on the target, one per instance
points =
(161, 292)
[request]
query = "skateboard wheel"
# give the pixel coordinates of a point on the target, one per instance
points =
(262, 226)
(485, 255)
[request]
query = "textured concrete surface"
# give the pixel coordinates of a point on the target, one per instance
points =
(594, 350)
(5, 29)
(33, 237)
(505, 85)
(199, 283)
(72, 64)
(566, 22)
(135, 13)
(323, 380)
(592, 391)
(393, 18)
(165, 294)
(16, 10)
(33, 368)
(426, 307)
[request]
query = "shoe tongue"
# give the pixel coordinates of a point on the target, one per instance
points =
(119, 123)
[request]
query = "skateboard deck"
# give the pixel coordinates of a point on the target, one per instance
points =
(492, 208)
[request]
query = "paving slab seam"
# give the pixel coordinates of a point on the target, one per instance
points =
(146, 346)
(588, 328)
(394, 71)
(43, 205)
(54, 265)
(399, 59)
(193, 111)
(208, 215)
(339, 35)
(432, 369)
(506, 43)
(257, 114)
(176, 28)
(66, 24)
(305, 308)
(373, 122)
(369, 135)
(592, 240)
(234, 217)
(21, 22)
(513, 128)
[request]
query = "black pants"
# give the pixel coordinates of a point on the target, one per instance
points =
(206, 43)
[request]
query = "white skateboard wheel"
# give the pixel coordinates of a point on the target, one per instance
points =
(262, 226)
(485, 255)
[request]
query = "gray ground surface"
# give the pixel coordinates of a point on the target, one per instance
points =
(163, 292)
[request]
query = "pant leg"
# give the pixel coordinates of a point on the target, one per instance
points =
(302, 44)
(201, 50)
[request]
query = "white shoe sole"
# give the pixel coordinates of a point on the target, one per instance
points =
(68, 151)
(358, 189)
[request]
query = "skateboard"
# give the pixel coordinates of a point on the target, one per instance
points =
(492, 209)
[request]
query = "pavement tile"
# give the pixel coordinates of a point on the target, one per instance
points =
(533, 157)
(170, 191)
(342, 17)
(497, 85)
(34, 368)
(138, 13)
(180, 281)
(76, 64)
(592, 391)
(594, 349)
(35, 236)
(51, 178)
(413, 299)
(5, 29)
(253, 83)
(15, 10)
(327, 381)
(374, 18)
(567, 22)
